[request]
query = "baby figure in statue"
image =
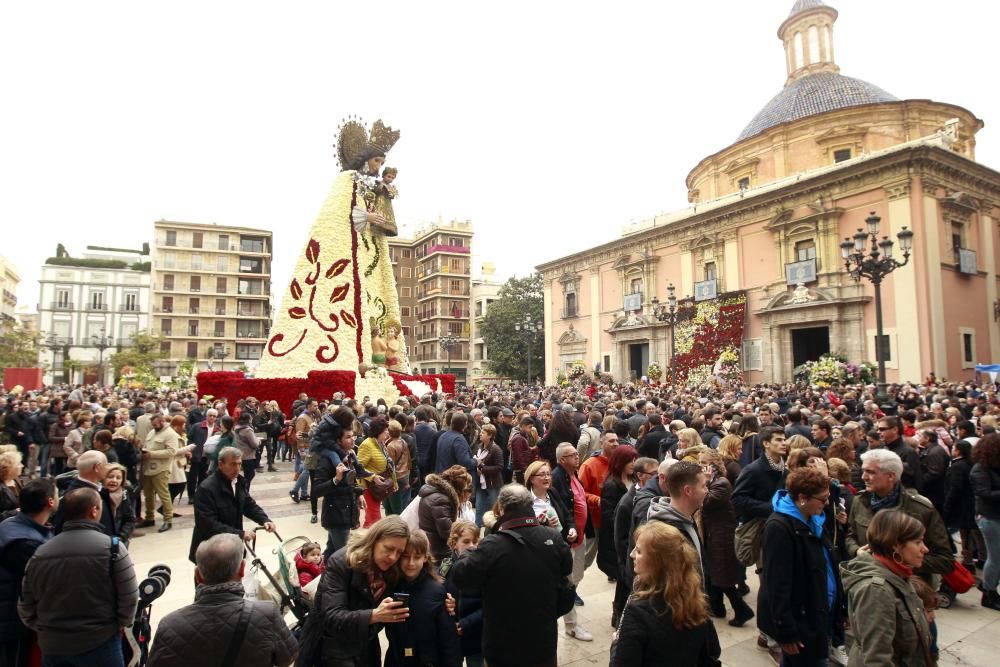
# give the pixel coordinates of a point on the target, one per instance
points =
(385, 192)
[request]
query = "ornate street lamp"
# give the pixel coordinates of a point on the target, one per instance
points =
(102, 342)
(667, 313)
(220, 352)
(447, 343)
(529, 328)
(54, 343)
(875, 266)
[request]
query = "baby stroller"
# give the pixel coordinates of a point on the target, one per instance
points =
(284, 592)
(135, 641)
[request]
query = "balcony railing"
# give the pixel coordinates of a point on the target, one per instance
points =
(569, 312)
(163, 309)
(219, 334)
(128, 308)
(100, 307)
(464, 250)
(220, 311)
(61, 305)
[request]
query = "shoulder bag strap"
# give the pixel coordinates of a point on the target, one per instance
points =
(238, 635)
(115, 540)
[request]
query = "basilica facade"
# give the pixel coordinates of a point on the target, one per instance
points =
(766, 219)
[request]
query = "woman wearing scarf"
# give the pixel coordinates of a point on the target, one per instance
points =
(879, 589)
(801, 600)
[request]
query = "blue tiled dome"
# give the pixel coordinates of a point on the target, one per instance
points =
(814, 94)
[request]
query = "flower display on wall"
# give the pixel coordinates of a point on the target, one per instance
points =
(708, 338)
(654, 372)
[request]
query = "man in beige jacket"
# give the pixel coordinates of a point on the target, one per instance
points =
(158, 454)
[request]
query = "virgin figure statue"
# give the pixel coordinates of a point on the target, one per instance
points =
(342, 289)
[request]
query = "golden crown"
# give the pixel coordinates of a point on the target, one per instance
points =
(383, 137)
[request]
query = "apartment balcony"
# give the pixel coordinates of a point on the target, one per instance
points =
(455, 249)
(220, 311)
(97, 307)
(193, 310)
(129, 308)
(218, 334)
(61, 305)
(570, 312)
(163, 309)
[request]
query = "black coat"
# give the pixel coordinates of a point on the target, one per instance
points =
(650, 443)
(218, 510)
(934, 461)
(562, 491)
(611, 494)
(468, 609)
(337, 632)
(912, 476)
(107, 519)
(792, 602)
(518, 581)
(754, 489)
(648, 638)
(340, 499)
(640, 509)
(429, 631)
(959, 501)
(623, 526)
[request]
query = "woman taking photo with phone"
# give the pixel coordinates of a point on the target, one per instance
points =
(335, 481)
(353, 601)
(428, 636)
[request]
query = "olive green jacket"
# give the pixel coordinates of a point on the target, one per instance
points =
(891, 628)
(939, 559)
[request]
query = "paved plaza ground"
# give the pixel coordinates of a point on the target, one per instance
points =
(969, 634)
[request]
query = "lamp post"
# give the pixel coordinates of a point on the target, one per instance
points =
(529, 328)
(102, 342)
(667, 313)
(448, 342)
(220, 352)
(55, 344)
(875, 266)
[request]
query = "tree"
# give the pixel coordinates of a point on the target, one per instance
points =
(519, 300)
(18, 346)
(140, 355)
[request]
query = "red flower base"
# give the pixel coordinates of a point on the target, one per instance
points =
(234, 385)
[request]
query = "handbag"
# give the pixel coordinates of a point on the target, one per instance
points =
(747, 541)
(380, 487)
(959, 579)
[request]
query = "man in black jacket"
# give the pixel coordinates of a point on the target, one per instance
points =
(222, 501)
(713, 431)
(92, 467)
(655, 487)
(198, 435)
(524, 561)
(758, 482)
(891, 432)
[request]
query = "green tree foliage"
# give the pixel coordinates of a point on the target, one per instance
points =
(518, 300)
(140, 356)
(18, 346)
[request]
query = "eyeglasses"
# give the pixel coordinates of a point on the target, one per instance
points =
(886, 428)
(823, 499)
(543, 474)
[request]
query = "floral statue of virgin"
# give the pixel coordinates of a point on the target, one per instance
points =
(342, 288)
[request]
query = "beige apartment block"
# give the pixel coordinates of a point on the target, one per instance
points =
(9, 280)
(211, 294)
(433, 271)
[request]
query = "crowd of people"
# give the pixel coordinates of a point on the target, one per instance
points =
(462, 524)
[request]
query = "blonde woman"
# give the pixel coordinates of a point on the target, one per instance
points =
(666, 621)
(10, 483)
(687, 438)
(547, 508)
(731, 451)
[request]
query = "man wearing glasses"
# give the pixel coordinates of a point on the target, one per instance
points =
(569, 490)
(891, 433)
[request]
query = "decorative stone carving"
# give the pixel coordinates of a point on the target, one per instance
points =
(801, 295)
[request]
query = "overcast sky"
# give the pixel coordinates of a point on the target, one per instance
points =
(550, 125)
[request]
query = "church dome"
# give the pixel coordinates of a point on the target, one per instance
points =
(814, 94)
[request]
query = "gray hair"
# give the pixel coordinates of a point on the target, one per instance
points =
(211, 412)
(886, 460)
(227, 453)
(563, 448)
(149, 407)
(219, 557)
(90, 459)
(514, 495)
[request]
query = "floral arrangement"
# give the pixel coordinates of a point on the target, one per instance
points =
(577, 370)
(707, 339)
(833, 369)
(654, 372)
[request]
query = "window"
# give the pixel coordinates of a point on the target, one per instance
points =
(249, 351)
(886, 347)
(222, 263)
(805, 250)
(607, 363)
(168, 304)
(455, 241)
(968, 348)
(128, 332)
(455, 286)
(62, 298)
(753, 355)
(197, 239)
(220, 286)
(220, 306)
(251, 245)
(455, 328)
(251, 265)
(407, 272)
(957, 233)
(255, 287)
(223, 241)
(131, 303)
(171, 238)
(61, 329)
(192, 327)
(192, 350)
(220, 329)
(166, 327)
(404, 311)
(405, 292)
(195, 283)
(406, 331)
(570, 309)
(196, 262)
(743, 183)
(194, 305)
(245, 329)
(406, 253)
(168, 282)
(842, 155)
(710, 271)
(169, 260)
(165, 348)
(96, 301)
(479, 308)
(95, 329)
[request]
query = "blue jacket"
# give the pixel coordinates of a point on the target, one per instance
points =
(784, 504)
(453, 449)
(19, 537)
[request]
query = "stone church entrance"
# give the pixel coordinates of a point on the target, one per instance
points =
(809, 344)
